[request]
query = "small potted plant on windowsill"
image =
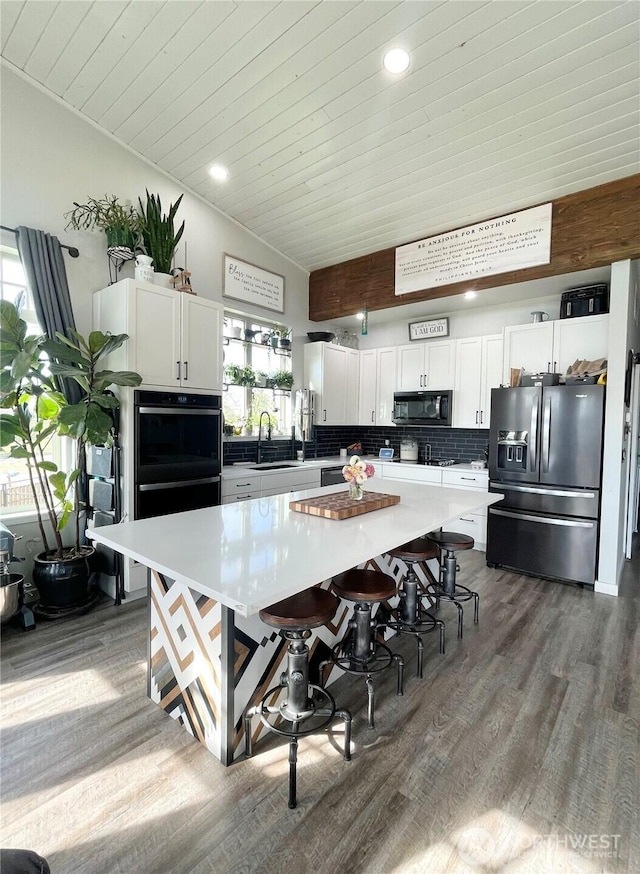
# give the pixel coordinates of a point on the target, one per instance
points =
(232, 372)
(247, 377)
(285, 338)
(283, 379)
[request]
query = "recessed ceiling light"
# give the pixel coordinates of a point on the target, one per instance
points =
(396, 60)
(217, 171)
(469, 295)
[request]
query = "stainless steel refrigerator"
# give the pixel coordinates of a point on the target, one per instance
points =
(545, 457)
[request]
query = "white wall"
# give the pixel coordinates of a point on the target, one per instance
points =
(624, 334)
(51, 158)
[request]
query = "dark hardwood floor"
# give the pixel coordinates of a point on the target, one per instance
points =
(517, 753)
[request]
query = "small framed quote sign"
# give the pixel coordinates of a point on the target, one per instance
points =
(251, 284)
(428, 330)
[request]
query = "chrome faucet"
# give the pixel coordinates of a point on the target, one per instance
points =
(259, 452)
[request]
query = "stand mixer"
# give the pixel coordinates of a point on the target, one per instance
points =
(12, 585)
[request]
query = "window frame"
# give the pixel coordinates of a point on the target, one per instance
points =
(233, 319)
(62, 448)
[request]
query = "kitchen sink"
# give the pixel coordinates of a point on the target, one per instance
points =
(274, 466)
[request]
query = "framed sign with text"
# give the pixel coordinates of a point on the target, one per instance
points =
(428, 330)
(511, 242)
(253, 285)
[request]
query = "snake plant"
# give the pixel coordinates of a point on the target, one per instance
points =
(160, 240)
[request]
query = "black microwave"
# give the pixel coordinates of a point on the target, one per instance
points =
(422, 408)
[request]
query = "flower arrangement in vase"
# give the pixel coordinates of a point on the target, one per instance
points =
(356, 473)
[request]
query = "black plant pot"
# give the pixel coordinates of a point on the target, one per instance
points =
(63, 583)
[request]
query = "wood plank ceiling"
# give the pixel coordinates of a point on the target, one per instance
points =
(506, 104)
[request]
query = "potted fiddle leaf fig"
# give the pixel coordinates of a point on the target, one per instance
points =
(159, 236)
(120, 221)
(34, 412)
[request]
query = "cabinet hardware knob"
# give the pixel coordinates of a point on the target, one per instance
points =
(177, 370)
(186, 370)
(476, 417)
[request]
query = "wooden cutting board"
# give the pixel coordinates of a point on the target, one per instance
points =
(340, 506)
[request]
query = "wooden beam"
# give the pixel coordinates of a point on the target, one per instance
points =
(591, 228)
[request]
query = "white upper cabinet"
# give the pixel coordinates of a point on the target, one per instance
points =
(527, 346)
(554, 346)
(174, 337)
(332, 373)
(352, 413)
(377, 385)
(586, 337)
(426, 365)
(478, 370)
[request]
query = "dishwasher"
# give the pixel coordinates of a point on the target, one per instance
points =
(331, 476)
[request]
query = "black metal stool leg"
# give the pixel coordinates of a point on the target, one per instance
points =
(293, 758)
(400, 661)
(476, 606)
(420, 656)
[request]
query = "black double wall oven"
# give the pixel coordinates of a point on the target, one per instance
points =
(178, 452)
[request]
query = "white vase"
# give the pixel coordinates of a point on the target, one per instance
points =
(144, 271)
(163, 279)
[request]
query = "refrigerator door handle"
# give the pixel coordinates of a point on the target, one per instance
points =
(530, 490)
(534, 436)
(545, 520)
(546, 434)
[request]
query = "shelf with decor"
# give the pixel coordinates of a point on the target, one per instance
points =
(284, 351)
(247, 377)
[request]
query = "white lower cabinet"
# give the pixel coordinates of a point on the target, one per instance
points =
(290, 481)
(242, 489)
(256, 485)
(472, 524)
(413, 473)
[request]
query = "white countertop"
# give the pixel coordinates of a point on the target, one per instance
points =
(255, 553)
(232, 471)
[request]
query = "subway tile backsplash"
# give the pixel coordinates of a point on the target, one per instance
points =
(461, 444)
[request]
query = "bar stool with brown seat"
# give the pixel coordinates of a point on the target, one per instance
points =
(305, 707)
(360, 652)
(449, 543)
(411, 616)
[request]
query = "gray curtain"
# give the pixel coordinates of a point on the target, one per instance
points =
(43, 262)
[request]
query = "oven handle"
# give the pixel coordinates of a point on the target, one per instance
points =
(180, 411)
(155, 487)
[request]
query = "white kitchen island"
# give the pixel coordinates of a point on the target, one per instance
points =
(212, 570)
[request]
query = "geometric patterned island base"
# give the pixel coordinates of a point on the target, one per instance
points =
(207, 664)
